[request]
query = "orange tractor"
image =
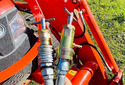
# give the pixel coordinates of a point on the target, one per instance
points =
(24, 55)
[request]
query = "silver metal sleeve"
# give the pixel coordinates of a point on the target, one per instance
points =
(60, 79)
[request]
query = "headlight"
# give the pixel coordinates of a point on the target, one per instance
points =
(17, 26)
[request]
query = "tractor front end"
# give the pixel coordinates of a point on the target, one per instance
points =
(16, 39)
(24, 55)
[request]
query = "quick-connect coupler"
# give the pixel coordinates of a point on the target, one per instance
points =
(45, 57)
(66, 45)
(65, 53)
(45, 53)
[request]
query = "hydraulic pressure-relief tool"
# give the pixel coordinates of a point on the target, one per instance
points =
(66, 51)
(45, 53)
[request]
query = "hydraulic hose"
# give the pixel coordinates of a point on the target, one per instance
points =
(66, 51)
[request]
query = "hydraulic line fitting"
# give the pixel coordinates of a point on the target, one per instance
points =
(66, 51)
(45, 53)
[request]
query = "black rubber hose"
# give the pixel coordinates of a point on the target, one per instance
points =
(82, 33)
(103, 59)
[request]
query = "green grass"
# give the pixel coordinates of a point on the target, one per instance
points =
(110, 16)
(33, 83)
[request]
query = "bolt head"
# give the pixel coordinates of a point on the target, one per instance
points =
(47, 71)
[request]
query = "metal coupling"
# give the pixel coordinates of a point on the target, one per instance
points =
(66, 51)
(45, 54)
(45, 37)
(45, 57)
(65, 54)
(62, 67)
(47, 74)
(46, 60)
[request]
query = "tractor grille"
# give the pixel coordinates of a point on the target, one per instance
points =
(20, 77)
(6, 41)
(11, 51)
(11, 15)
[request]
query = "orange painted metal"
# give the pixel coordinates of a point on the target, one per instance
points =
(98, 36)
(24, 61)
(4, 8)
(71, 75)
(85, 73)
(87, 53)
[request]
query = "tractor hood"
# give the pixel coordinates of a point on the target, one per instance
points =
(5, 5)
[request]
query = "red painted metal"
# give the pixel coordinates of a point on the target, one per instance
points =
(36, 10)
(54, 9)
(87, 53)
(37, 13)
(56, 34)
(85, 73)
(23, 5)
(12, 1)
(117, 78)
(99, 37)
(36, 76)
(4, 8)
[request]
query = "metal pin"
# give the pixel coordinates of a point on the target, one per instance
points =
(69, 13)
(43, 23)
(80, 13)
(78, 46)
(70, 18)
(47, 20)
(51, 19)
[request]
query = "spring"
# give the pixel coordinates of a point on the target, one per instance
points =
(45, 55)
(46, 61)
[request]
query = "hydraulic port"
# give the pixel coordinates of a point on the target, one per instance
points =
(66, 51)
(45, 53)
